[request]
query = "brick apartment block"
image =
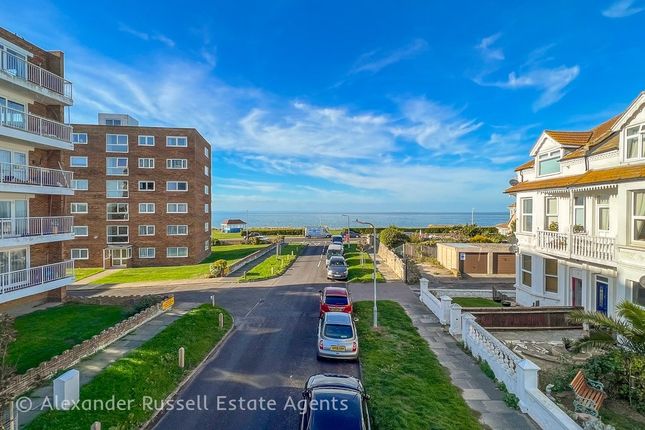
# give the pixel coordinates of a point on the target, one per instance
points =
(146, 193)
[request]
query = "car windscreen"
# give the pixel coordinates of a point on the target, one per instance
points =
(336, 300)
(338, 331)
(332, 252)
(337, 262)
(336, 411)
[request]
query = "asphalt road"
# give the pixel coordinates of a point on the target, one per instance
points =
(269, 356)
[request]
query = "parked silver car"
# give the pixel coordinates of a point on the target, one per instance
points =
(337, 336)
(337, 268)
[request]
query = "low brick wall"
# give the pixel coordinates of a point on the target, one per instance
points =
(403, 268)
(517, 318)
(249, 258)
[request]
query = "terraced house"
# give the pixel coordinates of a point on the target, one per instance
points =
(581, 215)
(142, 194)
(33, 182)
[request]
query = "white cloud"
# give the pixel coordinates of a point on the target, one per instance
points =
(487, 50)
(376, 60)
(621, 9)
(158, 37)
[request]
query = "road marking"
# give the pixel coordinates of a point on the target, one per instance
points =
(253, 308)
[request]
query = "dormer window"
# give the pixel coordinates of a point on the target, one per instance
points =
(548, 163)
(634, 145)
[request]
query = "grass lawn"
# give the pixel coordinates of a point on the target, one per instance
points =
(43, 334)
(218, 234)
(230, 253)
(84, 272)
(409, 388)
(475, 302)
(274, 265)
(150, 370)
(358, 272)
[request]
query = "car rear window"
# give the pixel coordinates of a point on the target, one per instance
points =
(336, 300)
(345, 415)
(337, 262)
(338, 331)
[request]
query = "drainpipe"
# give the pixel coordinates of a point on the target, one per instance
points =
(571, 221)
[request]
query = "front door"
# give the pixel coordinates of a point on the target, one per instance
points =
(602, 287)
(576, 292)
(119, 257)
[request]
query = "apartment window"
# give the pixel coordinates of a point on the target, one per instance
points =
(78, 208)
(638, 215)
(177, 230)
(112, 122)
(77, 161)
(176, 163)
(79, 138)
(146, 185)
(177, 141)
(116, 142)
(635, 142)
(81, 230)
(205, 227)
(527, 215)
(80, 184)
(549, 163)
(551, 275)
(146, 141)
(527, 270)
(638, 293)
(206, 208)
(177, 208)
(206, 170)
(116, 189)
(550, 213)
(176, 186)
(579, 212)
(80, 253)
(206, 189)
(207, 152)
(116, 166)
(117, 212)
(146, 208)
(118, 234)
(207, 245)
(146, 252)
(177, 252)
(146, 163)
(602, 206)
(146, 230)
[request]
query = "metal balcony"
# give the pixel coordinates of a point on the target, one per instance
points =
(21, 178)
(35, 280)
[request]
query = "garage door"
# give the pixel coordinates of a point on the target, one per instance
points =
(504, 264)
(476, 263)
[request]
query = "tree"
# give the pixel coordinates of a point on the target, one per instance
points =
(392, 237)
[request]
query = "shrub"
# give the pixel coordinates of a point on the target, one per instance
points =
(218, 269)
(392, 237)
(216, 242)
(284, 231)
(485, 367)
(254, 240)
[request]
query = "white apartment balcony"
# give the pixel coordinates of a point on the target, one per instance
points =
(34, 280)
(33, 230)
(19, 178)
(34, 81)
(34, 130)
(578, 246)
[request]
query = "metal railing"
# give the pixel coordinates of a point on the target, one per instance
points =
(579, 245)
(35, 226)
(35, 276)
(21, 68)
(11, 173)
(35, 124)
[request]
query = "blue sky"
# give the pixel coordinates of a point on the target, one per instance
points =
(363, 105)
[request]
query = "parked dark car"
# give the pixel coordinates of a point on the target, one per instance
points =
(352, 234)
(334, 402)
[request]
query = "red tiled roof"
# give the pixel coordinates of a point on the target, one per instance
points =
(526, 165)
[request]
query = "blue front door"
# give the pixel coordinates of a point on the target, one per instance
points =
(602, 285)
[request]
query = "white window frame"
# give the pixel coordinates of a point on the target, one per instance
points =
(206, 208)
(207, 245)
(154, 186)
(580, 207)
(207, 152)
(176, 251)
(174, 141)
(548, 156)
(145, 140)
(146, 253)
(600, 206)
(526, 215)
(182, 161)
(117, 205)
(550, 276)
(175, 184)
(82, 158)
(125, 192)
(145, 205)
(119, 146)
(206, 226)
(76, 138)
(75, 205)
(176, 208)
(146, 163)
(80, 251)
(206, 189)
(635, 217)
(118, 161)
(75, 183)
(528, 271)
(639, 135)
(146, 229)
(87, 230)
(550, 217)
(118, 227)
(177, 230)
(206, 171)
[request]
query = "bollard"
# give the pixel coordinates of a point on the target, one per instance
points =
(182, 356)
(221, 320)
(96, 425)
(271, 270)
(213, 299)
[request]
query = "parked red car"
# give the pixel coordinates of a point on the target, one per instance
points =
(335, 299)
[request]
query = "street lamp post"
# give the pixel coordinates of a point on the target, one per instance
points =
(348, 236)
(374, 265)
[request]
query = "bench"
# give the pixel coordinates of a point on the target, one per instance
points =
(589, 394)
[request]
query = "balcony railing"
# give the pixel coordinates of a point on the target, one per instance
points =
(35, 124)
(578, 245)
(21, 174)
(35, 226)
(20, 68)
(34, 276)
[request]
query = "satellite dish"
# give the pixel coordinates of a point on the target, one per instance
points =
(514, 249)
(513, 182)
(512, 240)
(642, 281)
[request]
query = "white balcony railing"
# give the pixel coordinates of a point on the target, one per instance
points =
(34, 276)
(35, 124)
(553, 241)
(21, 174)
(20, 68)
(578, 245)
(35, 226)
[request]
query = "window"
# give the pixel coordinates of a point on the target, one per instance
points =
(77, 161)
(146, 208)
(579, 212)
(80, 184)
(176, 186)
(638, 293)
(177, 208)
(527, 215)
(146, 253)
(549, 163)
(527, 267)
(206, 208)
(116, 166)
(117, 234)
(146, 163)
(206, 189)
(206, 227)
(551, 275)
(146, 185)
(207, 152)
(112, 122)
(207, 245)
(116, 189)
(176, 163)
(638, 215)
(635, 142)
(550, 212)
(79, 138)
(602, 205)
(117, 212)
(80, 253)
(146, 230)
(116, 142)
(177, 252)
(178, 141)
(206, 170)
(146, 141)
(78, 208)
(177, 230)
(81, 230)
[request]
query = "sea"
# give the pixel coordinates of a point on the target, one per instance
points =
(380, 219)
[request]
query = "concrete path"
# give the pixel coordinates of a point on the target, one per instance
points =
(96, 276)
(93, 365)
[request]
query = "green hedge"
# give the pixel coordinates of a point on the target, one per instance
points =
(279, 231)
(434, 229)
